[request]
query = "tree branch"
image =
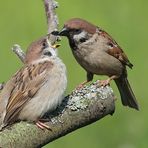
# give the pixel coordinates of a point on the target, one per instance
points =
(52, 22)
(79, 109)
(52, 19)
(19, 52)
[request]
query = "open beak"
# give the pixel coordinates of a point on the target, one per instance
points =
(63, 32)
(56, 45)
(49, 44)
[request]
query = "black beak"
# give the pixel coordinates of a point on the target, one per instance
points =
(64, 32)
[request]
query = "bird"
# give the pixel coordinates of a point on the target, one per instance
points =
(98, 53)
(36, 88)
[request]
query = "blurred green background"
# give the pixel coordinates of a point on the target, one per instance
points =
(127, 21)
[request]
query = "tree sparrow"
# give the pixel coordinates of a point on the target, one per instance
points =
(37, 88)
(98, 53)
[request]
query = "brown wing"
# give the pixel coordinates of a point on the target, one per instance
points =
(27, 83)
(114, 49)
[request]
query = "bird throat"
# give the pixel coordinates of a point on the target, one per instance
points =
(72, 44)
(75, 42)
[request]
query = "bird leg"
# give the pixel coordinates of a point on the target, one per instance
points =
(107, 81)
(42, 126)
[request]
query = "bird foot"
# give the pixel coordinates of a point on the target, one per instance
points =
(43, 126)
(107, 81)
(104, 82)
(81, 85)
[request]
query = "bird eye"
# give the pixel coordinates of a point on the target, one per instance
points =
(77, 31)
(44, 45)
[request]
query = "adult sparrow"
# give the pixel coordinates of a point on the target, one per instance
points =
(98, 53)
(35, 89)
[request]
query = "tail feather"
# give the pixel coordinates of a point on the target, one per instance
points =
(127, 96)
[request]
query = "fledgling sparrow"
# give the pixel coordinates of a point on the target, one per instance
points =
(37, 88)
(98, 53)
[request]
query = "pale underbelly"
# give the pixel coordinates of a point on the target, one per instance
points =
(47, 99)
(101, 65)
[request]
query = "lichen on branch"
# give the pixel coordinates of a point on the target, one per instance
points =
(79, 109)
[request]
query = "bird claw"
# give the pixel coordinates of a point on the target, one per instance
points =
(43, 126)
(104, 82)
(81, 85)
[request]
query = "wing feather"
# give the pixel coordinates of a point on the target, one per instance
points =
(28, 81)
(114, 49)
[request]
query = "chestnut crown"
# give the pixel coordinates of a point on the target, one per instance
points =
(39, 49)
(77, 24)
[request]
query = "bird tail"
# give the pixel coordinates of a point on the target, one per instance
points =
(127, 96)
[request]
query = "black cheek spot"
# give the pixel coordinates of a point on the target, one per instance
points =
(82, 40)
(48, 53)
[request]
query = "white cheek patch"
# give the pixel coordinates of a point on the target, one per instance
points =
(80, 36)
(53, 52)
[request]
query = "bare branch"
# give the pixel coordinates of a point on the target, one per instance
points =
(19, 52)
(21, 55)
(79, 109)
(52, 19)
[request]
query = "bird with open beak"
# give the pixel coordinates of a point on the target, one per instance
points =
(98, 53)
(38, 87)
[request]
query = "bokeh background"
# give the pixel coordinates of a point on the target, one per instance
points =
(127, 21)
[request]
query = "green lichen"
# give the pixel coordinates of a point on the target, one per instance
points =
(80, 99)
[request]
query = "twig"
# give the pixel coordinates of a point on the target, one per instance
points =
(52, 19)
(19, 52)
(81, 108)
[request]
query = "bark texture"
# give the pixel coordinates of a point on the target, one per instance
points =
(79, 109)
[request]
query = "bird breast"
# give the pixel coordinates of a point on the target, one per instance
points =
(50, 94)
(92, 56)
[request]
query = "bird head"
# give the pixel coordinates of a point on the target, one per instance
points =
(40, 49)
(78, 30)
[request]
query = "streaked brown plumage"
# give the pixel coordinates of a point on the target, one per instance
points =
(36, 88)
(98, 53)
